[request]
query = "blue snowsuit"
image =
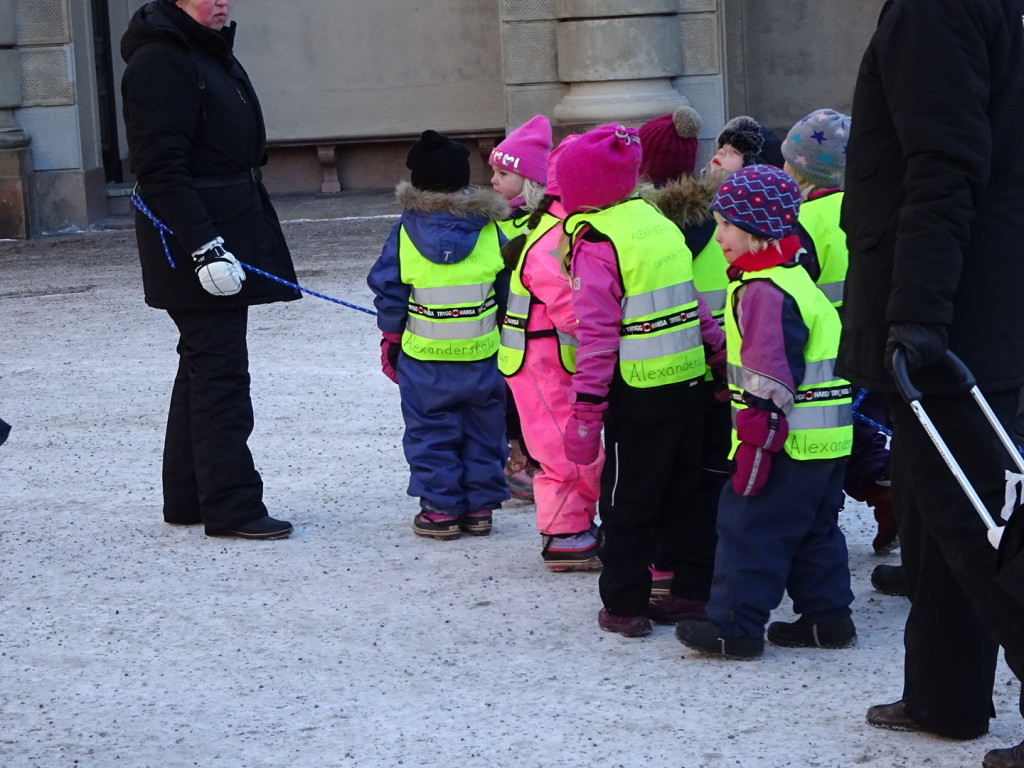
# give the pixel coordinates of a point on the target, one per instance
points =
(454, 411)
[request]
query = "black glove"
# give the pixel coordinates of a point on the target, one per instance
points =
(925, 343)
(5, 430)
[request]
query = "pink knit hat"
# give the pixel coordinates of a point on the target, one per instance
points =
(599, 168)
(525, 151)
(553, 187)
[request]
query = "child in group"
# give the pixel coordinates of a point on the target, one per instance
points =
(685, 200)
(519, 165)
(792, 432)
(815, 154)
(436, 287)
(537, 357)
(640, 366)
(670, 146)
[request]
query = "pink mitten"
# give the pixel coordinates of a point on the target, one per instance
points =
(390, 345)
(761, 433)
(583, 432)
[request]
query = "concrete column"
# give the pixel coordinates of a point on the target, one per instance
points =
(15, 156)
(618, 58)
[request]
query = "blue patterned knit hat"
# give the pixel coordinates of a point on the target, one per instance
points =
(761, 200)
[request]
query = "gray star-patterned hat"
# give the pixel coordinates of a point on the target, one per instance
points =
(816, 147)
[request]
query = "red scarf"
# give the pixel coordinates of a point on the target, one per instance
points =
(754, 261)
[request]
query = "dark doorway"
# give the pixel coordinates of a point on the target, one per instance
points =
(105, 92)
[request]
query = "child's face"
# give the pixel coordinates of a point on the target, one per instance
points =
(727, 158)
(507, 184)
(733, 241)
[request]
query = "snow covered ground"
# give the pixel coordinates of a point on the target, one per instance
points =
(128, 642)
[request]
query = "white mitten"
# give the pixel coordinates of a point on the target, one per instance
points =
(219, 272)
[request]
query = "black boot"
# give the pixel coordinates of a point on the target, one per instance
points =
(888, 579)
(704, 636)
(802, 633)
(1005, 758)
(264, 528)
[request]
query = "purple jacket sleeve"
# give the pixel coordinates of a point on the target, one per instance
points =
(597, 302)
(711, 332)
(773, 340)
(391, 295)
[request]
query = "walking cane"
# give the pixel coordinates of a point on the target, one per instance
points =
(913, 397)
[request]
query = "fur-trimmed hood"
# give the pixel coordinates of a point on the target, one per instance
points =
(471, 201)
(445, 226)
(684, 201)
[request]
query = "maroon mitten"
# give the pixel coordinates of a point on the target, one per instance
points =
(583, 432)
(761, 433)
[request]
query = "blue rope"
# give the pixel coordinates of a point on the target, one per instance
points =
(861, 394)
(164, 230)
(306, 290)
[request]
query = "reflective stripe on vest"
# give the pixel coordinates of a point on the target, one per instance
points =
(513, 327)
(660, 332)
(819, 217)
(452, 307)
(710, 278)
(821, 420)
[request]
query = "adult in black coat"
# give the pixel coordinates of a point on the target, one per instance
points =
(934, 217)
(196, 139)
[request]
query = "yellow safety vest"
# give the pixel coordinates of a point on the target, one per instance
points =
(821, 422)
(513, 327)
(820, 219)
(710, 278)
(660, 340)
(452, 307)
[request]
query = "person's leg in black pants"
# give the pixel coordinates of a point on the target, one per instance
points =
(650, 489)
(958, 613)
(208, 471)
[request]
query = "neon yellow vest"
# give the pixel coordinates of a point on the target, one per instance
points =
(513, 327)
(821, 422)
(820, 218)
(452, 308)
(710, 279)
(513, 227)
(660, 340)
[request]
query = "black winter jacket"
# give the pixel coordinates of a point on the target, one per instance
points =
(191, 113)
(934, 206)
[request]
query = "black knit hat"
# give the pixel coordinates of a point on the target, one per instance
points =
(438, 164)
(744, 135)
(771, 148)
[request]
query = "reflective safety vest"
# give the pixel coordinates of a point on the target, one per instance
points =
(452, 307)
(513, 227)
(513, 328)
(821, 422)
(660, 332)
(710, 278)
(820, 219)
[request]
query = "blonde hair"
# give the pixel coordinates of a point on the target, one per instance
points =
(761, 243)
(807, 188)
(532, 194)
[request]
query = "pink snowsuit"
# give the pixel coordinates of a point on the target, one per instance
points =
(566, 493)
